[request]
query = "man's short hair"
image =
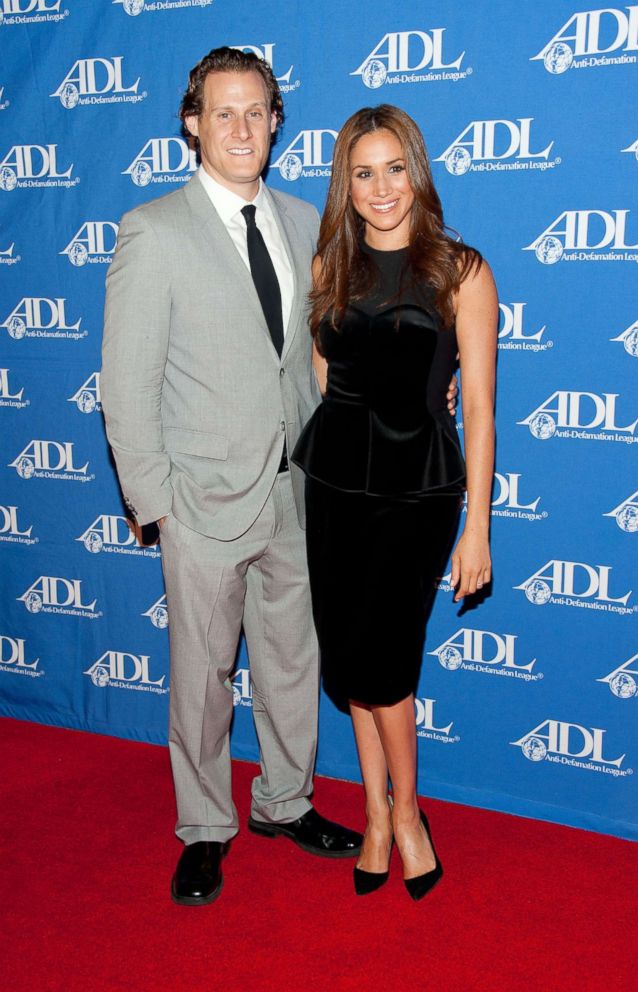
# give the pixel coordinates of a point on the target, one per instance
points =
(226, 59)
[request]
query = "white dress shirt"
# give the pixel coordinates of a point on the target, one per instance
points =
(229, 205)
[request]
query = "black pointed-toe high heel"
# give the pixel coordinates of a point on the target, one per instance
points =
(366, 882)
(420, 885)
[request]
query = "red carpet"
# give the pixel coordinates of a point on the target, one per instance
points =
(89, 851)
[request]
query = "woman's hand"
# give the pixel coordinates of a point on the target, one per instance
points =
(451, 395)
(471, 564)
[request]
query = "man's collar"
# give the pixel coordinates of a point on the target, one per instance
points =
(226, 202)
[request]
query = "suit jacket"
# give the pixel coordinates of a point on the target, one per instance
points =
(196, 400)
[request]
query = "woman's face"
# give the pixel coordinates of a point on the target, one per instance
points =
(380, 189)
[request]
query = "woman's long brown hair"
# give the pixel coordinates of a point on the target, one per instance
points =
(347, 272)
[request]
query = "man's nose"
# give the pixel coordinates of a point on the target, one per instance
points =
(242, 128)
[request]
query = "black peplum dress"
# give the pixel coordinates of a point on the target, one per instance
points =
(385, 478)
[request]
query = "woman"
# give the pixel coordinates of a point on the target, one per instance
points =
(394, 297)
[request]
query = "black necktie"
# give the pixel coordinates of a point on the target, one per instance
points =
(264, 278)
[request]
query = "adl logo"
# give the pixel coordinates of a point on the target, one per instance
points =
(39, 317)
(425, 726)
(495, 146)
(483, 651)
(267, 53)
(122, 670)
(31, 11)
(95, 81)
(401, 55)
(158, 613)
(626, 514)
(622, 681)
(54, 594)
(87, 398)
(33, 166)
(10, 527)
(162, 160)
(570, 744)
(7, 398)
(116, 535)
(13, 657)
(629, 338)
(506, 501)
(594, 33)
(574, 583)
(94, 242)
(49, 460)
(309, 155)
(581, 236)
(578, 415)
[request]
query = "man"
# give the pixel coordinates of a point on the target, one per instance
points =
(206, 384)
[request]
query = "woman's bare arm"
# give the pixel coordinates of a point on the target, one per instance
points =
(476, 329)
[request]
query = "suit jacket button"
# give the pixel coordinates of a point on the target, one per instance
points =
(281, 372)
(282, 425)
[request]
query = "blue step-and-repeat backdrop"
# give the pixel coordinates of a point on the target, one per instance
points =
(528, 701)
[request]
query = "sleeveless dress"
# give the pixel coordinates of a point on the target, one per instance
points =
(385, 477)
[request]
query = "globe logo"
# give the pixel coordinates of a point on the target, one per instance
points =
(549, 250)
(538, 592)
(558, 58)
(69, 96)
(93, 542)
(450, 658)
(133, 7)
(627, 518)
(100, 676)
(25, 468)
(534, 749)
(86, 402)
(458, 161)
(8, 179)
(141, 174)
(623, 685)
(542, 426)
(78, 254)
(159, 617)
(17, 328)
(374, 74)
(290, 167)
(631, 343)
(236, 696)
(33, 602)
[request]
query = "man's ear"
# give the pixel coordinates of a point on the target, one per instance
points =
(192, 123)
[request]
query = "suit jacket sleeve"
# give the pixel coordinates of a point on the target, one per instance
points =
(135, 346)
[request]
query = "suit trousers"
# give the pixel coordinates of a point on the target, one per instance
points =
(260, 580)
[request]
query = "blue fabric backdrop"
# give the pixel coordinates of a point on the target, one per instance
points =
(527, 702)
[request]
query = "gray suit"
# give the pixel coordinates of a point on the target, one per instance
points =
(197, 404)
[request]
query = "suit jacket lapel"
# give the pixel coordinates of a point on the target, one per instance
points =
(208, 223)
(288, 232)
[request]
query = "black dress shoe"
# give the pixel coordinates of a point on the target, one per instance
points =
(198, 877)
(314, 834)
(420, 885)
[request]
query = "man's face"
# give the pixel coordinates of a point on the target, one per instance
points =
(234, 130)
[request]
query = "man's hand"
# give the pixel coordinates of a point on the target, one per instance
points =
(452, 393)
(161, 522)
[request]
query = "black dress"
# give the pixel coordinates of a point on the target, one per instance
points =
(385, 477)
